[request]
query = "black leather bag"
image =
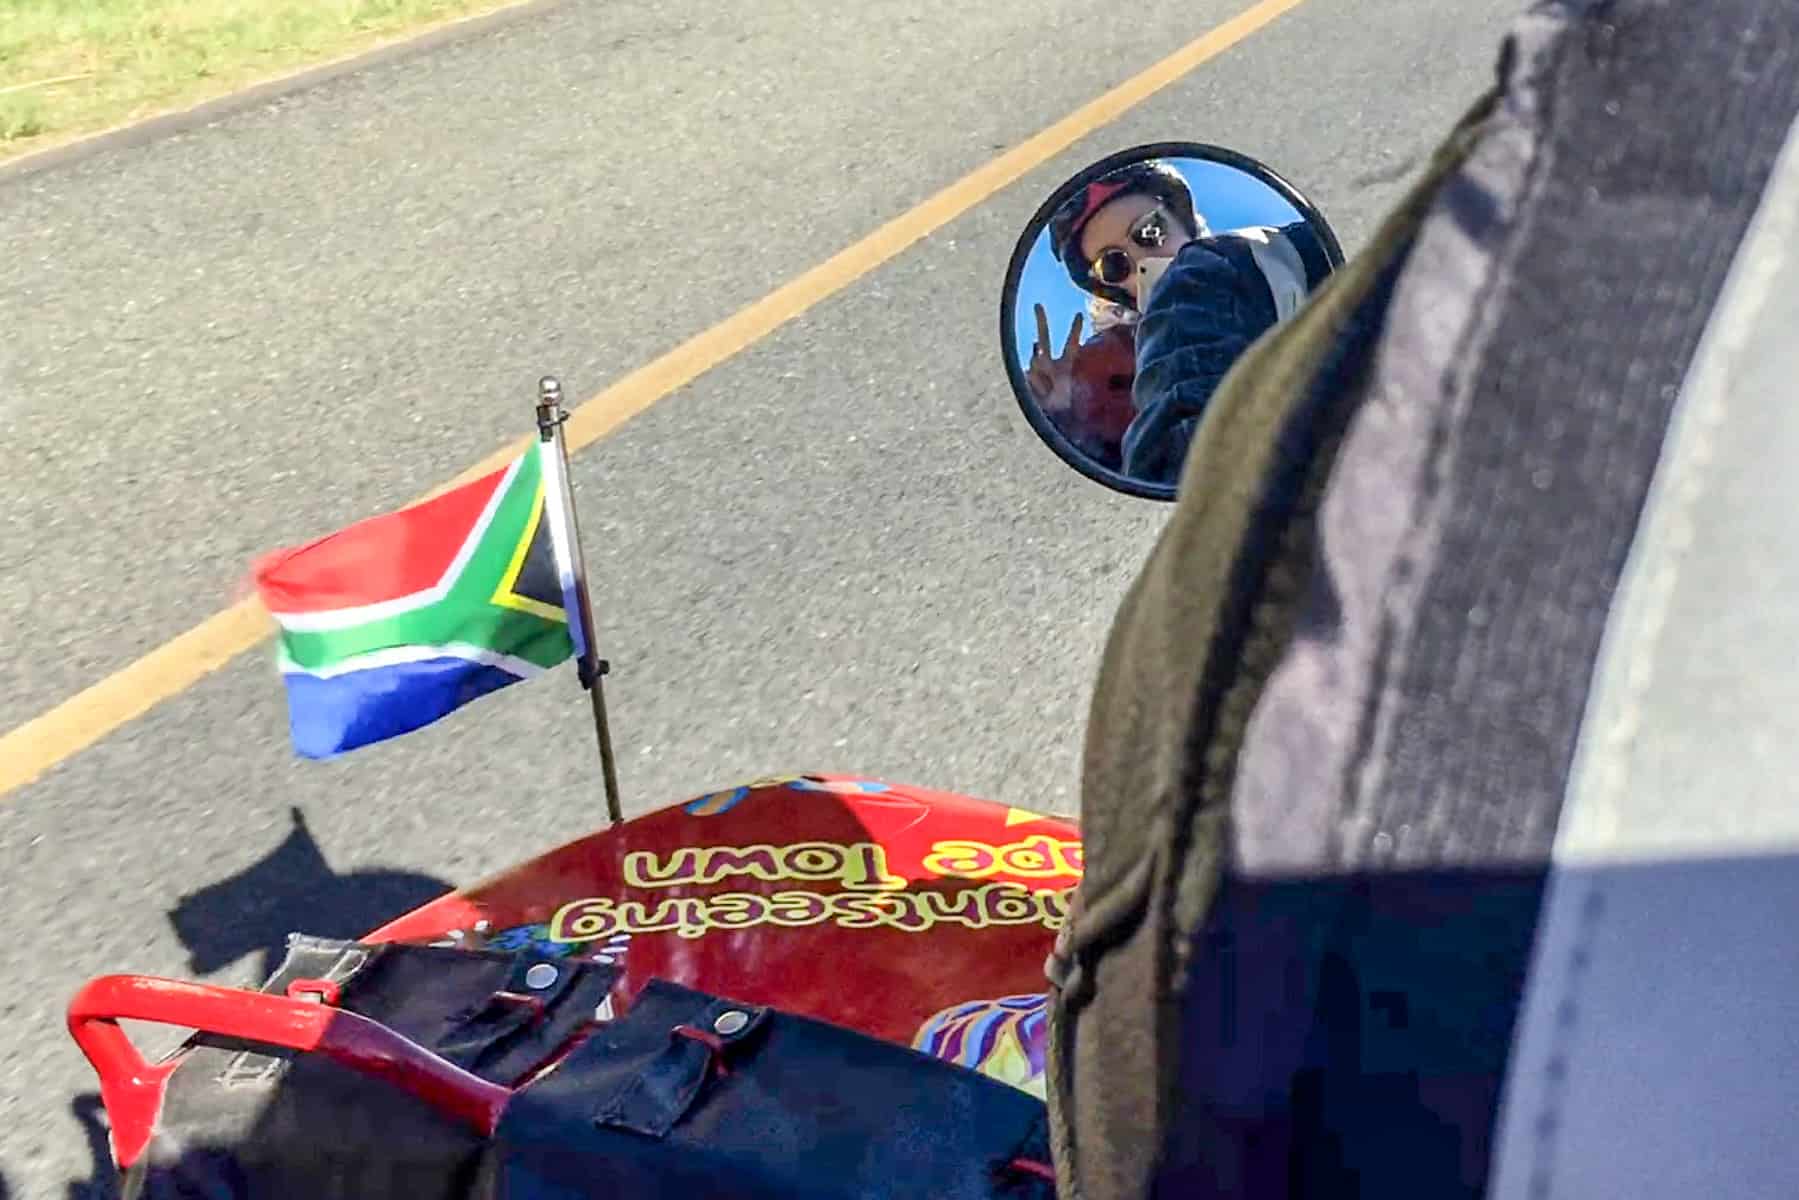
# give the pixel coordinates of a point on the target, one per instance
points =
(692, 1096)
(685, 1095)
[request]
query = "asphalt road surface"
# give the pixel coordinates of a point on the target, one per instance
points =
(842, 550)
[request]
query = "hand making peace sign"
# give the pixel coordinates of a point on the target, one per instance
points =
(1051, 376)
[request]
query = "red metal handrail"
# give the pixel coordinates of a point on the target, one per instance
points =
(132, 1089)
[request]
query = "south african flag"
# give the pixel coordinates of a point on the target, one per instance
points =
(399, 620)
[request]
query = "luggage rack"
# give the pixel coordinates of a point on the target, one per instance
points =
(132, 1089)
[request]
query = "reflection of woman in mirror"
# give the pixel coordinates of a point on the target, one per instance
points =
(1134, 239)
(1085, 388)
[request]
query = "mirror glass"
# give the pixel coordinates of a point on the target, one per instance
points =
(1136, 286)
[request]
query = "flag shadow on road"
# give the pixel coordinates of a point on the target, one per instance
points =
(292, 889)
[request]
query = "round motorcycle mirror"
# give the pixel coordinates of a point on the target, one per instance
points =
(1135, 287)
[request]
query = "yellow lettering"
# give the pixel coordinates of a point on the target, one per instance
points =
(867, 869)
(795, 909)
(1010, 906)
(963, 907)
(913, 912)
(964, 860)
(758, 862)
(813, 860)
(856, 911)
(635, 916)
(903, 910)
(583, 921)
(735, 910)
(1035, 858)
(861, 865)
(644, 870)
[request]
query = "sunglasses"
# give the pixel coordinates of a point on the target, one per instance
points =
(1114, 266)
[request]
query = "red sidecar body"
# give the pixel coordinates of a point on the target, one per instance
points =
(902, 916)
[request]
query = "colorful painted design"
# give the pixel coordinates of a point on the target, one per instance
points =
(530, 937)
(715, 804)
(839, 787)
(1005, 1039)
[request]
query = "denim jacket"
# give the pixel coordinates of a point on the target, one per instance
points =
(1216, 298)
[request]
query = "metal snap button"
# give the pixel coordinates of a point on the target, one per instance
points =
(730, 1023)
(540, 976)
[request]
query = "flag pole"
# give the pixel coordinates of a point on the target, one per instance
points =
(565, 533)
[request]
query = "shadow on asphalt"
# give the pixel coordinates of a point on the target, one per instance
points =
(292, 889)
(103, 1183)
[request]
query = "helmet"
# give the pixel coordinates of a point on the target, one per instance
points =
(1153, 178)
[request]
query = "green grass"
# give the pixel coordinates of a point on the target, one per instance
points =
(132, 58)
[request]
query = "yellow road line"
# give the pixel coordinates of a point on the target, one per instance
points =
(78, 722)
